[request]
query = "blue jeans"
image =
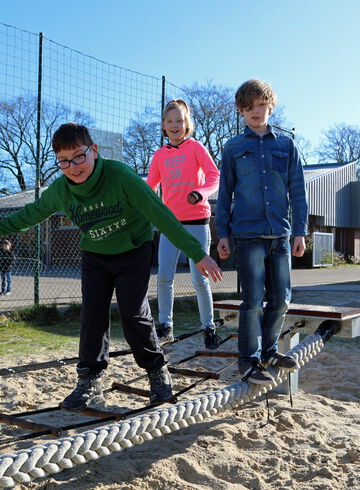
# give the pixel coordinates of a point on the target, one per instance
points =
(5, 278)
(264, 267)
(168, 259)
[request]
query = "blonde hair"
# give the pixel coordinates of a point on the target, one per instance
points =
(254, 89)
(182, 105)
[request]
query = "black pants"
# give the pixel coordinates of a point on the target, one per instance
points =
(128, 273)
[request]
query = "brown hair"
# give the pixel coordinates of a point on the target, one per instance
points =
(71, 135)
(182, 105)
(254, 89)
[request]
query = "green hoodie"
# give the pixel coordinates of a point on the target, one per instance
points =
(113, 208)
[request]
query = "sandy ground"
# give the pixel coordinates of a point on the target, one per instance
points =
(313, 445)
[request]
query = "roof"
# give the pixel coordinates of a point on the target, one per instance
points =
(18, 200)
(312, 172)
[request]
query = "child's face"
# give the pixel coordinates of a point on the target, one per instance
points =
(81, 172)
(257, 116)
(6, 246)
(175, 126)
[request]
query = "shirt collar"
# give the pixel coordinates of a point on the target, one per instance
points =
(249, 132)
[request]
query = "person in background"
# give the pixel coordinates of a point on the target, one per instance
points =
(7, 259)
(188, 176)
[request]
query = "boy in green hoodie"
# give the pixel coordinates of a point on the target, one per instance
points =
(114, 209)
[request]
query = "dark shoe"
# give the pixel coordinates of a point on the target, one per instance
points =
(281, 361)
(88, 391)
(160, 385)
(211, 339)
(255, 373)
(165, 333)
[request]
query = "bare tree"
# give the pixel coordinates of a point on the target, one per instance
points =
(304, 149)
(141, 140)
(214, 115)
(18, 122)
(340, 143)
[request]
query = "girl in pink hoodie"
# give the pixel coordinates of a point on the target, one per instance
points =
(188, 176)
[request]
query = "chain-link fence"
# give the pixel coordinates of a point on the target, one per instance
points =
(43, 85)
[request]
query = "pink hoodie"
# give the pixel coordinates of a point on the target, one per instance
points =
(181, 170)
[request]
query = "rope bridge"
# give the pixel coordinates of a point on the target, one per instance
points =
(24, 466)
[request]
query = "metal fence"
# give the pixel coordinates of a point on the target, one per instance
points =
(42, 85)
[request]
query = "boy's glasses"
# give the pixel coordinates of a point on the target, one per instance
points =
(78, 160)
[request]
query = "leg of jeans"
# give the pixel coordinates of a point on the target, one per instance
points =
(201, 283)
(278, 294)
(168, 259)
(8, 277)
(251, 269)
(3, 290)
(132, 274)
(97, 289)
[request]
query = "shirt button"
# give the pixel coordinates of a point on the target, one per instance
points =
(262, 156)
(267, 202)
(265, 187)
(264, 171)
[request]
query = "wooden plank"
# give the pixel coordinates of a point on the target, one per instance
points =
(330, 312)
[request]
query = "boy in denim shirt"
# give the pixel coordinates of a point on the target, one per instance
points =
(261, 168)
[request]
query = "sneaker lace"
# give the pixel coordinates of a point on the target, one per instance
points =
(255, 366)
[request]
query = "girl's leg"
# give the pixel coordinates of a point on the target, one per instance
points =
(201, 283)
(168, 258)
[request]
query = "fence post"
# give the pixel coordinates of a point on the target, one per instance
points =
(163, 88)
(37, 183)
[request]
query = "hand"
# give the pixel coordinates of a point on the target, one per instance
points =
(299, 246)
(194, 197)
(207, 266)
(223, 248)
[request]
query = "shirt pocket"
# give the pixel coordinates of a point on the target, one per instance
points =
(245, 162)
(280, 161)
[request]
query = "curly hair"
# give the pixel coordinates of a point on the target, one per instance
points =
(254, 89)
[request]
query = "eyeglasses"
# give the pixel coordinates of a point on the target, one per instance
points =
(78, 160)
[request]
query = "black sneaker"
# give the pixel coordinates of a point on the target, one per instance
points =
(165, 333)
(281, 361)
(211, 339)
(255, 373)
(87, 391)
(160, 385)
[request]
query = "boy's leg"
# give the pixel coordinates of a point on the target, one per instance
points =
(278, 294)
(8, 277)
(97, 290)
(131, 281)
(251, 254)
(168, 259)
(3, 290)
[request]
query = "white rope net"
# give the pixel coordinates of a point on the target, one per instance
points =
(40, 461)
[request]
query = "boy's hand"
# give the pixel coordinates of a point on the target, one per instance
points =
(208, 267)
(299, 246)
(223, 248)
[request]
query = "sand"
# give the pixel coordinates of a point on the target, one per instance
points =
(315, 444)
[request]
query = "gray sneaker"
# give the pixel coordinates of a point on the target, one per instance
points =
(165, 333)
(281, 361)
(255, 373)
(88, 391)
(160, 385)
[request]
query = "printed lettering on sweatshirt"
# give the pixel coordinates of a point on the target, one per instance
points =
(85, 217)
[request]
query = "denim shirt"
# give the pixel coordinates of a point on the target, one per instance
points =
(265, 176)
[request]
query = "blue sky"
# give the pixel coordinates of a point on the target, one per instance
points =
(307, 50)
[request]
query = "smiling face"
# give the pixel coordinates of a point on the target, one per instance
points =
(257, 115)
(174, 125)
(78, 173)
